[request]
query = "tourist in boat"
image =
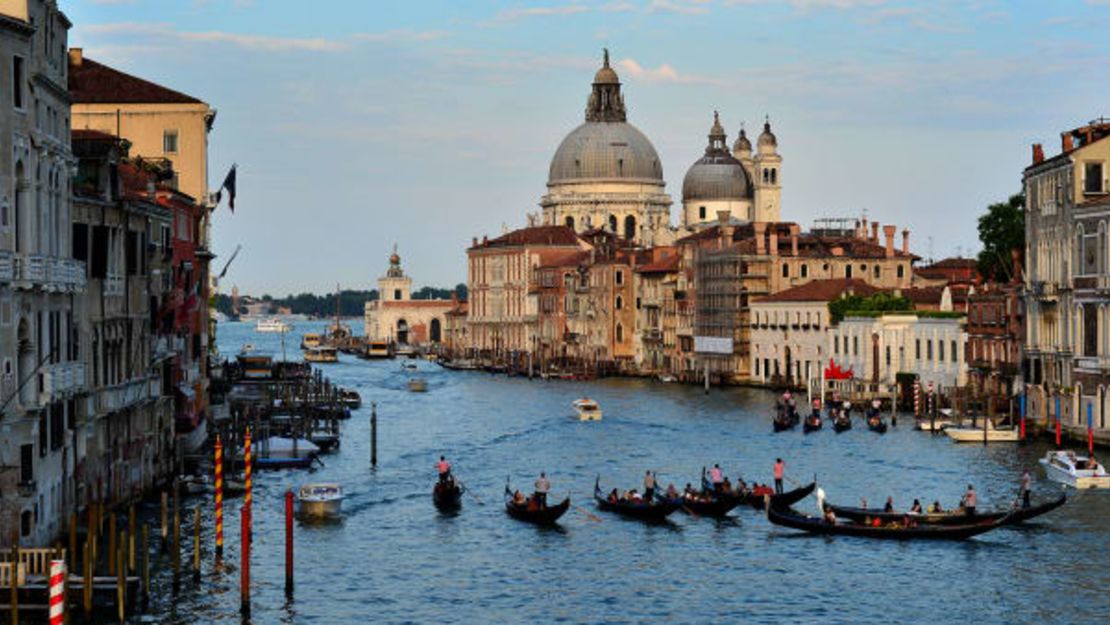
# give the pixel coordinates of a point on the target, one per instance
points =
(741, 486)
(715, 477)
(935, 507)
(689, 492)
(889, 507)
(970, 500)
(672, 492)
(1026, 486)
(649, 485)
(634, 497)
(518, 498)
(780, 472)
(916, 507)
(726, 486)
(1092, 464)
(543, 485)
(444, 469)
(614, 497)
(830, 516)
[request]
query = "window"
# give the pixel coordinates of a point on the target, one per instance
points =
(877, 272)
(888, 355)
(929, 350)
(570, 221)
(855, 346)
(630, 227)
(940, 351)
(80, 241)
(774, 176)
(847, 271)
(1092, 178)
(836, 343)
(805, 271)
(17, 82)
(785, 270)
(620, 303)
(917, 349)
(637, 303)
(701, 212)
(612, 223)
(396, 294)
(953, 352)
(901, 271)
(26, 464)
(620, 333)
(618, 277)
(169, 141)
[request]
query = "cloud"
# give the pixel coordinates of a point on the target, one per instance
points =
(509, 15)
(400, 35)
(262, 42)
(685, 7)
(665, 73)
(806, 5)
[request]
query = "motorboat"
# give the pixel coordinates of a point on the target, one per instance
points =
(321, 354)
(937, 424)
(377, 349)
(320, 501)
(667, 378)
(272, 324)
(418, 385)
(1075, 470)
(587, 409)
(310, 340)
(988, 433)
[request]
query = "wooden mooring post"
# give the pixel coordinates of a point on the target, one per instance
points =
(196, 544)
(245, 562)
(165, 520)
(13, 602)
(146, 566)
(121, 577)
(87, 586)
(373, 434)
(289, 544)
(112, 544)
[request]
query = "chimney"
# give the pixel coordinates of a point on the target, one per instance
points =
(874, 232)
(773, 242)
(76, 56)
(474, 242)
(794, 229)
(888, 232)
(760, 228)
(906, 240)
(1038, 153)
(1015, 259)
(856, 231)
(726, 229)
(863, 229)
(1066, 141)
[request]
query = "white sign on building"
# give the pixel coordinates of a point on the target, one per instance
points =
(713, 344)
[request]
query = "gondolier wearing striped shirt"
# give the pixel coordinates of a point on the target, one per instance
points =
(543, 485)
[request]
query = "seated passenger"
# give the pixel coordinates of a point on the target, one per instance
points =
(672, 492)
(518, 498)
(889, 506)
(613, 496)
(916, 507)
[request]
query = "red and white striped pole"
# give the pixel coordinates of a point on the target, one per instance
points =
(247, 472)
(57, 592)
(219, 498)
(917, 397)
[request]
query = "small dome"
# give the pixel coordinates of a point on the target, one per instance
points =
(742, 144)
(394, 259)
(606, 75)
(717, 175)
(767, 137)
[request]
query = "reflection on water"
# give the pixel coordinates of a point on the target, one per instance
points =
(394, 558)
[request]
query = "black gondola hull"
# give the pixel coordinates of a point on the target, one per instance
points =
(789, 518)
(1016, 515)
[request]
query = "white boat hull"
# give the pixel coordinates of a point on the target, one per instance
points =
(975, 435)
(321, 509)
(1075, 478)
(589, 415)
(925, 425)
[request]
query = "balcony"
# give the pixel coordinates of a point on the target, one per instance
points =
(113, 398)
(50, 273)
(7, 266)
(61, 381)
(113, 285)
(653, 334)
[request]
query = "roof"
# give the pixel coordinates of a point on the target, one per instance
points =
(94, 83)
(954, 263)
(662, 265)
(932, 294)
(568, 259)
(821, 291)
(82, 134)
(418, 303)
(535, 235)
(1098, 201)
(809, 245)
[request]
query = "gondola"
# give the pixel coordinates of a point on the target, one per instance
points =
(812, 423)
(540, 516)
(786, 499)
(707, 503)
(875, 423)
(952, 517)
(842, 423)
(891, 531)
(656, 510)
(783, 420)
(448, 495)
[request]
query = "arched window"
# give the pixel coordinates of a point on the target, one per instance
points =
(620, 303)
(877, 271)
(630, 227)
(620, 333)
(436, 331)
(612, 223)
(774, 176)
(570, 221)
(766, 176)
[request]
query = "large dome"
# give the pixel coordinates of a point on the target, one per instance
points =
(605, 151)
(717, 175)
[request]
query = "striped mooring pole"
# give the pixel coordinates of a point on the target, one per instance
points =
(247, 472)
(219, 499)
(57, 592)
(917, 397)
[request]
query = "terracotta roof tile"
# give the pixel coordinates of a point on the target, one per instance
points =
(663, 265)
(94, 83)
(536, 235)
(821, 291)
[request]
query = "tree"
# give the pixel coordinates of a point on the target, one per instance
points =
(1001, 230)
(858, 304)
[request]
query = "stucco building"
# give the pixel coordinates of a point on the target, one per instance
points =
(877, 348)
(399, 319)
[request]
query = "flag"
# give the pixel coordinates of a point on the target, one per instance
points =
(229, 184)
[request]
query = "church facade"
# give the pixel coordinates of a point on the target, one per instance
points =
(397, 318)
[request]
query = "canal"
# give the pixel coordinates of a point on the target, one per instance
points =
(394, 559)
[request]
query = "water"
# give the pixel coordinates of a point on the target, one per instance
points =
(394, 559)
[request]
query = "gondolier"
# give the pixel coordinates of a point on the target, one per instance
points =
(1026, 486)
(649, 486)
(716, 478)
(780, 471)
(970, 500)
(543, 485)
(444, 469)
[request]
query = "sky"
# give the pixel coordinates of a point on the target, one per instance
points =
(359, 125)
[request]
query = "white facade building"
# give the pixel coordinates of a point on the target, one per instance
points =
(878, 348)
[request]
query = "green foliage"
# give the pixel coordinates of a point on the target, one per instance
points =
(351, 303)
(1001, 230)
(871, 305)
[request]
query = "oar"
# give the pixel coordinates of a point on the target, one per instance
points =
(469, 492)
(589, 515)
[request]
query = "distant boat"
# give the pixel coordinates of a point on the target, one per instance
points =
(321, 354)
(310, 340)
(1074, 470)
(587, 409)
(321, 501)
(978, 435)
(417, 385)
(272, 324)
(378, 349)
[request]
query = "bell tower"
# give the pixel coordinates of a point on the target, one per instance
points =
(767, 170)
(394, 286)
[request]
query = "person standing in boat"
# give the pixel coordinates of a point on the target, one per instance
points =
(780, 472)
(716, 478)
(1026, 486)
(649, 486)
(444, 469)
(543, 485)
(970, 500)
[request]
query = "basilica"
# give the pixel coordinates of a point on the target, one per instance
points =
(607, 175)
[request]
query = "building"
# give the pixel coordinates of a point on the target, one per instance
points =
(1065, 239)
(789, 330)
(950, 271)
(42, 352)
(877, 348)
(995, 329)
(399, 319)
(656, 336)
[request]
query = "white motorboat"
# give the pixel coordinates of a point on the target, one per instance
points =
(417, 385)
(967, 434)
(1074, 470)
(667, 378)
(587, 409)
(282, 447)
(321, 501)
(272, 324)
